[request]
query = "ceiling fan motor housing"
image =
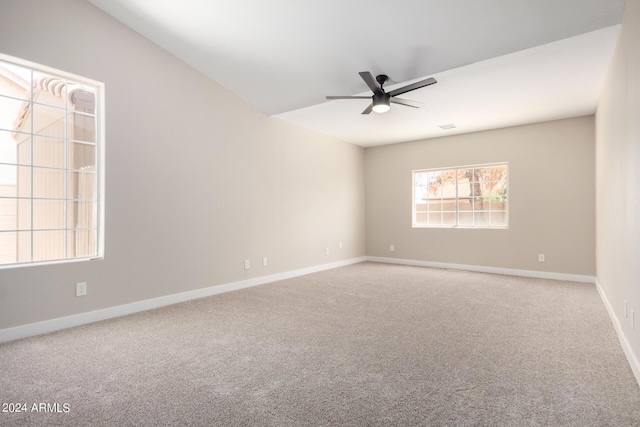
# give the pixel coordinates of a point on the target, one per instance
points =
(381, 99)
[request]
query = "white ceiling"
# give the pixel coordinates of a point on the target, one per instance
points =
(498, 62)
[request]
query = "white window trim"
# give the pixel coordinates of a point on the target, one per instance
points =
(100, 159)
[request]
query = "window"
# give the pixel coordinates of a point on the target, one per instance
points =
(470, 196)
(51, 174)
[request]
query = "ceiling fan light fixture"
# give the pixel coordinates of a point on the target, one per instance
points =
(381, 102)
(381, 108)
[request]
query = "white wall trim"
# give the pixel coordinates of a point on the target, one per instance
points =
(24, 331)
(626, 347)
(482, 269)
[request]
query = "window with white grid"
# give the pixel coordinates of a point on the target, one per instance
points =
(51, 171)
(470, 196)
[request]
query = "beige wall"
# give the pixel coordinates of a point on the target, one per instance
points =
(197, 180)
(618, 180)
(551, 198)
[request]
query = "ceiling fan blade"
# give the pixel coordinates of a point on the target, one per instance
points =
(413, 86)
(369, 109)
(371, 82)
(407, 102)
(348, 97)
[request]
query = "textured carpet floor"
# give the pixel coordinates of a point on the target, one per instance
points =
(364, 345)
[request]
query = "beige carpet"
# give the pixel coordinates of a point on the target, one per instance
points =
(364, 345)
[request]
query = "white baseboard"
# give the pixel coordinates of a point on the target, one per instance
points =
(24, 331)
(482, 269)
(626, 347)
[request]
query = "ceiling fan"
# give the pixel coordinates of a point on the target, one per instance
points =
(381, 100)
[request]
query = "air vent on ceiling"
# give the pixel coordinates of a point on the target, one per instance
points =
(447, 126)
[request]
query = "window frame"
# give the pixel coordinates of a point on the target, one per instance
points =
(99, 173)
(414, 223)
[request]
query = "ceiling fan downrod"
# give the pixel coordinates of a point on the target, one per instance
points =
(382, 79)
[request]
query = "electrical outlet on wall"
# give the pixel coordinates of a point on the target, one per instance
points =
(81, 289)
(541, 258)
(247, 264)
(392, 248)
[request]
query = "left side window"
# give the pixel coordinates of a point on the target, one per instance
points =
(51, 165)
